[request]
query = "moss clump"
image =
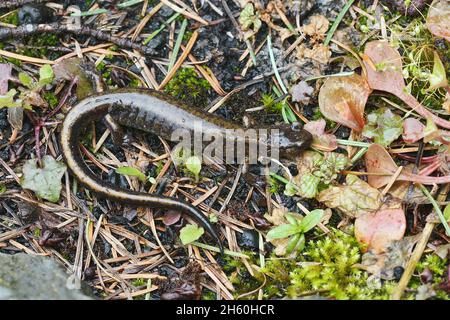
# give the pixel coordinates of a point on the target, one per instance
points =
(51, 99)
(105, 71)
(439, 272)
(189, 87)
(36, 45)
(12, 18)
(325, 266)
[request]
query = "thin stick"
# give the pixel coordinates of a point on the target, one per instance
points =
(18, 3)
(416, 255)
(180, 61)
(56, 28)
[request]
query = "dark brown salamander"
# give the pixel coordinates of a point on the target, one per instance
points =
(155, 112)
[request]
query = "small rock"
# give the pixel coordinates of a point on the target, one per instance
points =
(29, 277)
(249, 239)
(34, 13)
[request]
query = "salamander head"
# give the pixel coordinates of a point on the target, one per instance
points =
(292, 139)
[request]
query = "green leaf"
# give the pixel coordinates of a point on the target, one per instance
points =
(180, 154)
(194, 165)
(438, 78)
(130, 171)
(45, 75)
(291, 189)
(45, 181)
(354, 198)
(308, 185)
(248, 18)
(8, 100)
(293, 243)
(311, 220)
(213, 218)
(283, 231)
(25, 80)
(447, 212)
(383, 127)
(292, 219)
(190, 233)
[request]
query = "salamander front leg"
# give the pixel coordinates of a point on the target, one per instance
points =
(118, 136)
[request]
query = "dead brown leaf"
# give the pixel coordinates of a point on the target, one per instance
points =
(343, 99)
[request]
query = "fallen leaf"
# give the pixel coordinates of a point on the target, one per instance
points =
(413, 130)
(378, 161)
(171, 217)
(319, 53)
(186, 287)
(321, 140)
(5, 75)
(15, 117)
(443, 250)
(401, 190)
(277, 217)
(425, 291)
(354, 198)
(438, 19)
(45, 181)
(302, 92)
(133, 172)
(190, 233)
(89, 82)
(317, 27)
(280, 246)
(378, 229)
(381, 168)
(343, 99)
(383, 65)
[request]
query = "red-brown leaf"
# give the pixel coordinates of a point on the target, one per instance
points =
(343, 99)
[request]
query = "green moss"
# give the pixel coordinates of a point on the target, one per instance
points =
(326, 267)
(189, 87)
(239, 275)
(51, 99)
(12, 18)
(105, 71)
(208, 295)
(438, 268)
(274, 185)
(139, 282)
(270, 103)
(39, 42)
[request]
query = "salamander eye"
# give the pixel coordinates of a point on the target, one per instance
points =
(295, 126)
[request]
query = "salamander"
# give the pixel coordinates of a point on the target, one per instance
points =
(158, 113)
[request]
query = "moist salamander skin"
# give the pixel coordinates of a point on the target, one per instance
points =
(155, 112)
